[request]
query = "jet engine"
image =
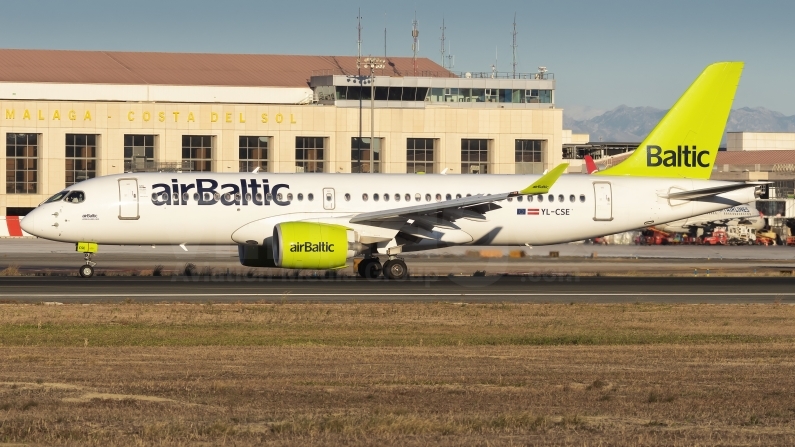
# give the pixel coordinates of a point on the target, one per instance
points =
(310, 245)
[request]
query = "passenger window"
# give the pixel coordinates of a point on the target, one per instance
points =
(290, 197)
(386, 197)
(551, 198)
(258, 197)
(237, 197)
(185, 197)
(300, 197)
(458, 196)
(268, 197)
(310, 197)
(469, 195)
(540, 198)
(227, 197)
(417, 197)
(408, 197)
(448, 197)
(375, 197)
(582, 197)
(529, 198)
(279, 197)
(571, 198)
(76, 197)
(175, 198)
(347, 197)
(397, 197)
(365, 197)
(196, 196)
(427, 197)
(510, 199)
(438, 197)
(519, 198)
(560, 198)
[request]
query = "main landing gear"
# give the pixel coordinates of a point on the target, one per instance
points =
(394, 268)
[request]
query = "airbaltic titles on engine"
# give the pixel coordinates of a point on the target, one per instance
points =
(313, 227)
(309, 247)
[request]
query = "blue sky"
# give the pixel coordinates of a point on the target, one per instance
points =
(603, 54)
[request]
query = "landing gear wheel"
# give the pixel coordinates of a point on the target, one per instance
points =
(395, 269)
(370, 268)
(86, 271)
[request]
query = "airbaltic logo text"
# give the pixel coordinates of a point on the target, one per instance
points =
(208, 192)
(670, 158)
(308, 247)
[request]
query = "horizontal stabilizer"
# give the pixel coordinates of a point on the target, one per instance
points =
(714, 191)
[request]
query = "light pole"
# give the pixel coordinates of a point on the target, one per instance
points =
(373, 64)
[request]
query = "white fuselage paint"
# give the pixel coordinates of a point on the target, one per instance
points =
(630, 203)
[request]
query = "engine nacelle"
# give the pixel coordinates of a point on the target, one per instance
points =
(309, 245)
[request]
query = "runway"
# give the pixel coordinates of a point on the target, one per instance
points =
(549, 289)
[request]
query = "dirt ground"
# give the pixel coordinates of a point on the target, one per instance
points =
(397, 374)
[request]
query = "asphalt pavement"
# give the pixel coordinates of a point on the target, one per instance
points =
(469, 289)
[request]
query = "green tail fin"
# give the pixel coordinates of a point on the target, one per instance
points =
(685, 142)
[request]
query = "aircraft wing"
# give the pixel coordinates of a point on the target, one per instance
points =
(540, 186)
(709, 192)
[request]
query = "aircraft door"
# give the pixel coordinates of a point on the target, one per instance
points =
(603, 195)
(328, 198)
(128, 199)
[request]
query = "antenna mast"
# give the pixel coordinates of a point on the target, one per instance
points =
(415, 34)
(514, 45)
(359, 40)
(442, 48)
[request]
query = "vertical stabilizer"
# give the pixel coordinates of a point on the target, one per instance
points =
(684, 144)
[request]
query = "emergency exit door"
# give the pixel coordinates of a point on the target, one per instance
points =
(328, 198)
(128, 199)
(603, 203)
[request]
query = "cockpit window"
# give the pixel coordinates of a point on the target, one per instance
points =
(75, 197)
(57, 197)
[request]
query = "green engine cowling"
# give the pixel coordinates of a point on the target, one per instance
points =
(309, 245)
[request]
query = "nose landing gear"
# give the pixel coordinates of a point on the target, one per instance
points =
(88, 249)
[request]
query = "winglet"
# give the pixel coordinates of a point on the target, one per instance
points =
(590, 165)
(546, 181)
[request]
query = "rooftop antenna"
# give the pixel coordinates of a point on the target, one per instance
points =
(450, 57)
(442, 47)
(382, 70)
(514, 45)
(415, 34)
(359, 40)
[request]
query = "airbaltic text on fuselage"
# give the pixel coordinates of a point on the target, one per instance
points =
(309, 247)
(656, 156)
(209, 192)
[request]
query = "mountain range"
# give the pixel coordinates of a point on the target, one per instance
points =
(632, 124)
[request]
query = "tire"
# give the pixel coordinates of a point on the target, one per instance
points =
(395, 269)
(369, 268)
(86, 271)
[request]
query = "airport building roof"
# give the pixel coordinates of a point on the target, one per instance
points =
(189, 69)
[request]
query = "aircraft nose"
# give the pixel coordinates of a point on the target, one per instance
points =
(27, 222)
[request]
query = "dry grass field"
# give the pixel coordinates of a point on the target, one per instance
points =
(402, 374)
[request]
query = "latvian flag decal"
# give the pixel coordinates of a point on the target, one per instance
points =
(532, 212)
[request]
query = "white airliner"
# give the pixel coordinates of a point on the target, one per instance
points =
(319, 221)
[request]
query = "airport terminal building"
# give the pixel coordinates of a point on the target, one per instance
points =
(71, 115)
